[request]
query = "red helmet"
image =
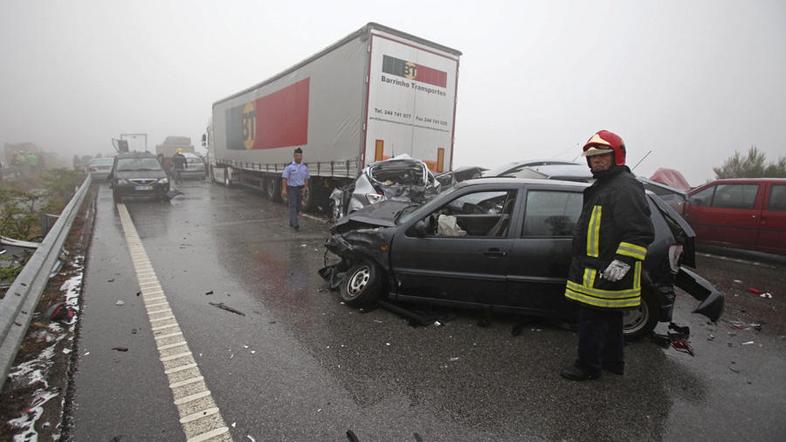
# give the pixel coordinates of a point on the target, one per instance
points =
(606, 142)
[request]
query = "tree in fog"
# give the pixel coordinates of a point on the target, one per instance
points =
(751, 165)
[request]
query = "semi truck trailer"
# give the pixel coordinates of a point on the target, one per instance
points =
(374, 94)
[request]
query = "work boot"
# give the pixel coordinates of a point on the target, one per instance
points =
(575, 373)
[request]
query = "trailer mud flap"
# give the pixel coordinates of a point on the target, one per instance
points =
(711, 298)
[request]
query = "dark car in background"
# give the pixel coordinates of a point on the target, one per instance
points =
(745, 213)
(501, 244)
(138, 174)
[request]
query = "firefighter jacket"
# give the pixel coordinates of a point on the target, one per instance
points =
(614, 224)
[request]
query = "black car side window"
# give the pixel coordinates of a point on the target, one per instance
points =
(478, 214)
(551, 213)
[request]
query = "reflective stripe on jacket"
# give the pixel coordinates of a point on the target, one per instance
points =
(614, 224)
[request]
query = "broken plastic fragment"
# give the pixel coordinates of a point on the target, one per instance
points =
(767, 295)
(119, 302)
(453, 359)
(747, 343)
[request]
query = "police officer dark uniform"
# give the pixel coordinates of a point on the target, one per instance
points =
(609, 248)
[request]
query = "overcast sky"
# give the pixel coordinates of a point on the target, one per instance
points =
(691, 80)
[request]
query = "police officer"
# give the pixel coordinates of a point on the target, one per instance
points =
(295, 177)
(609, 247)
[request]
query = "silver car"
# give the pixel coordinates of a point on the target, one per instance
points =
(99, 168)
(401, 178)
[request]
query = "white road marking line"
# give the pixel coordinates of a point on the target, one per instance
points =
(164, 327)
(199, 415)
(193, 380)
(193, 397)
(171, 335)
(157, 304)
(151, 289)
(180, 368)
(177, 356)
(209, 435)
(168, 346)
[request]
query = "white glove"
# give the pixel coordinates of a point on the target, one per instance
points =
(615, 271)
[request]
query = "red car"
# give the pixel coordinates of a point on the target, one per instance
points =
(747, 213)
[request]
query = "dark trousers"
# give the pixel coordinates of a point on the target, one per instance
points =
(294, 201)
(601, 342)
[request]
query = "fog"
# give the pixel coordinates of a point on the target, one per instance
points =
(691, 81)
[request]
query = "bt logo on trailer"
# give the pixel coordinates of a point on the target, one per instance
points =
(249, 124)
(414, 71)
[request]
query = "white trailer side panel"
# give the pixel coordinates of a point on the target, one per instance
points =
(411, 101)
(334, 86)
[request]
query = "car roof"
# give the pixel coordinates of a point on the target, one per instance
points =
(741, 180)
(521, 181)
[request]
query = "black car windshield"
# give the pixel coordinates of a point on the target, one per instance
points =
(129, 164)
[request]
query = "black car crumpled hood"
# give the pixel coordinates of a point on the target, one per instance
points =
(381, 214)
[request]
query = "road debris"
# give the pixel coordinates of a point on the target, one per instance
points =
(60, 312)
(766, 295)
(209, 293)
(737, 281)
(747, 343)
(223, 306)
(519, 328)
(123, 349)
(352, 437)
(119, 302)
(413, 318)
(453, 359)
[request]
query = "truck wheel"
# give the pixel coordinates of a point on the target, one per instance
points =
(362, 285)
(640, 322)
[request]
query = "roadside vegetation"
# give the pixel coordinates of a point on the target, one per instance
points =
(752, 164)
(23, 202)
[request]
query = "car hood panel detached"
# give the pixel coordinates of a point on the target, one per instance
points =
(712, 299)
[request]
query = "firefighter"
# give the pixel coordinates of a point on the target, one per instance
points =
(609, 247)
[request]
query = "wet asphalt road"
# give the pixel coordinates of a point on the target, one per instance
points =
(314, 368)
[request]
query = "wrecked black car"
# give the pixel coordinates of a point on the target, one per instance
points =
(501, 244)
(400, 178)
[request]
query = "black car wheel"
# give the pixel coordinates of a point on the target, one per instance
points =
(362, 285)
(640, 322)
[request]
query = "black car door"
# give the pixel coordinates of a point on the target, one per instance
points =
(463, 251)
(542, 248)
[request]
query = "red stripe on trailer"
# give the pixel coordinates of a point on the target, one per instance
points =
(282, 117)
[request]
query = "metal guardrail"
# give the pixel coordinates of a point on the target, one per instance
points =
(21, 299)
